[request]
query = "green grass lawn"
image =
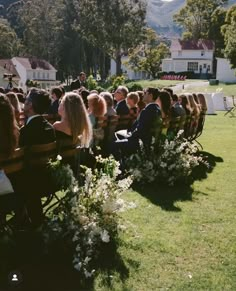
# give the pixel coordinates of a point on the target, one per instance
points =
(228, 90)
(180, 238)
(184, 238)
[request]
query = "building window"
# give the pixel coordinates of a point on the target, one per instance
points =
(202, 53)
(38, 75)
(180, 53)
(48, 76)
(34, 75)
(192, 66)
(43, 75)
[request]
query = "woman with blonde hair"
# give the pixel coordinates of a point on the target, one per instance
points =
(202, 102)
(74, 123)
(15, 103)
(194, 106)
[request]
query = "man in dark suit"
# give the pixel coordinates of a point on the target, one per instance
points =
(79, 82)
(120, 96)
(143, 128)
(37, 130)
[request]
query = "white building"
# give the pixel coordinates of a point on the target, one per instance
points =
(35, 69)
(194, 56)
(224, 73)
(128, 72)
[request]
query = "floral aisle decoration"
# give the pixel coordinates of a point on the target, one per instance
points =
(88, 215)
(167, 160)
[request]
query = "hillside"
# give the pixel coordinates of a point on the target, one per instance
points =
(160, 15)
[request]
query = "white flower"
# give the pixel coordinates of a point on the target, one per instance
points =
(105, 236)
(59, 158)
(87, 259)
(78, 266)
(88, 274)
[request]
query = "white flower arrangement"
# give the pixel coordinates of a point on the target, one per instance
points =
(88, 216)
(167, 160)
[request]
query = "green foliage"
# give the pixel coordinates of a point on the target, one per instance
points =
(87, 216)
(92, 83)
(113, 26)
(148, 56)
(196, 18)
(8, 39)
(133, 86)
(31, 83)
(229, 31)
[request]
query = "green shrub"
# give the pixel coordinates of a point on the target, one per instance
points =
(134, 87)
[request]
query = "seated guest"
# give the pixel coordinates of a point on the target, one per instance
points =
(9, 134)
(56, 93)
(202, 101)
(74, 123)
(183, 99)
(148, 120)
(96, 108)
(164, 102)
(195, 114)
(141, 104)
(16, 105)
(37, 129)
(83, 92)
(110, 103)
(176, 108)
(169, 90)
(132, 100)
(21, 99)
(9, 131)
(120, 96)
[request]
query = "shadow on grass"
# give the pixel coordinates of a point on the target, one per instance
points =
(25, 253)
(165, 196)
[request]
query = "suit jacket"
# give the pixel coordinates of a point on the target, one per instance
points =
(148, 119)
(76, 84)
(37, 131)
(122, 108)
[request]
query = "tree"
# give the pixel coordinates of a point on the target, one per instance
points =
(148, 56)
(217, 21)
(8, 40)
(112, 25)
(229, 32)
(43, 28)
(196, 16)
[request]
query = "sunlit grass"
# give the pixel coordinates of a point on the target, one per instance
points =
(191, 245)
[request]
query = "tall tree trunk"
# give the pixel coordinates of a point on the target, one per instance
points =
(118, 63)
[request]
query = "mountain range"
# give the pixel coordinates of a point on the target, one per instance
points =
(160, 15)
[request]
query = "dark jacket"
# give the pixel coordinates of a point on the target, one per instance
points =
(76, 84)
(122, 108)
(37, 131)
(147, 122)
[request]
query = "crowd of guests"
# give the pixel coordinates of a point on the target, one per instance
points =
(79, 111)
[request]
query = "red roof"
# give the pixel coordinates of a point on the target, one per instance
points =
(9, 67)
(35, 63)
(201, 44)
